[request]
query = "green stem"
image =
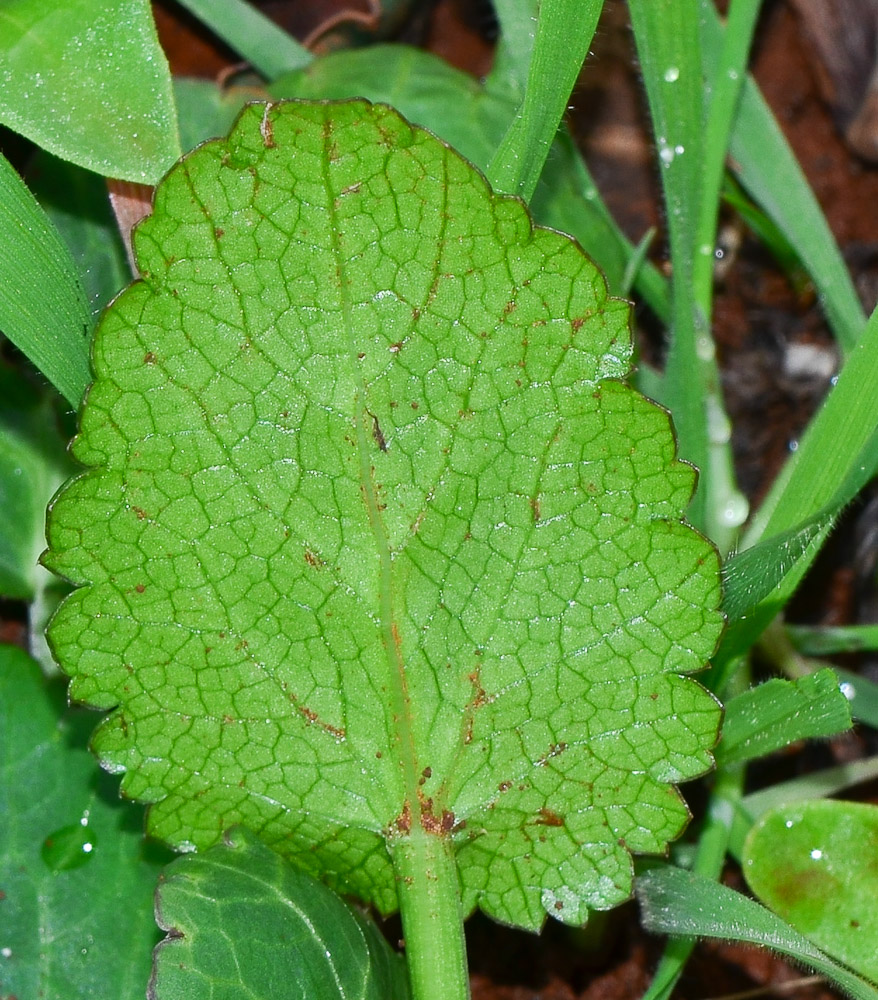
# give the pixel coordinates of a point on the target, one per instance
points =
(432, 917)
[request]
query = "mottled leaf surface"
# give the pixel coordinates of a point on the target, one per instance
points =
(373, 534)
(816, 865)
(310, 945)
(76, 879)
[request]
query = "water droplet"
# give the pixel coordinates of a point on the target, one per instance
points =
(69, 847)
(816, 854)
(672, 74)
(679, 150)
(666, 154)
(705, 349)
(793, 446)
(848, 690)
(6, 952)
(734, 511)
(733, 74)
(719, 429)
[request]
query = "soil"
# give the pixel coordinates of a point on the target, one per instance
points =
(759, 316)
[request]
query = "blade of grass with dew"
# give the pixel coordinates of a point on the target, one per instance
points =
(768, 169)
(43, 308)
(564, 32)
(667, 40)
(724, 87)
(266, 46)
(839, 446)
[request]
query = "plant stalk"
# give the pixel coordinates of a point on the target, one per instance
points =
(432, 916)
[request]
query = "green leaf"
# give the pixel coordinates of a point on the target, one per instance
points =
(473, 119)
(375, 542)
(309, 946)
(78, 205)
(43, 309)
(779, 712)
(77, 881)
(87, 91)
(816, 865)
(674, 901)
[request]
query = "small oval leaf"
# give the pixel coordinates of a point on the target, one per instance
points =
(816, 865)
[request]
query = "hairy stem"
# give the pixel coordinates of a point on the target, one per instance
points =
(432, 918)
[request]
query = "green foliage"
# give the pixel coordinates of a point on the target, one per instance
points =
(73, 923)
(374, 536)
(310, 945)
(674, 901)
(777, 713)
(70, 76)
(376, 552)
(814, 863)
(32, 466)
(43, 309)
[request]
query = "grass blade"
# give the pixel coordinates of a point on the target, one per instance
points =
(43, 308)
(768, 169)
(564, 32)
(267, 47)
(674, 901)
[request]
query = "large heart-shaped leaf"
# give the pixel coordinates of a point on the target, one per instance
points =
(375, 542)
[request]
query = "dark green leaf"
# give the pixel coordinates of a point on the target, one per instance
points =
(77, 882)
(244, 923)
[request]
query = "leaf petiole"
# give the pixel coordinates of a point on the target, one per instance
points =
(432, 915)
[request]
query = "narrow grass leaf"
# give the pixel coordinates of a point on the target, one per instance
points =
(768, 169)
(666, 33)
(269, 49)
(564, 32)
(830, 640)
(43, 309)
(677, 902)
(76, 203)
(779, 712)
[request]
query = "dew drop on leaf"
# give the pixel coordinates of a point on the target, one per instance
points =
(68, 847)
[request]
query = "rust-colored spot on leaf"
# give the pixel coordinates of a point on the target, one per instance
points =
(549, 818)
